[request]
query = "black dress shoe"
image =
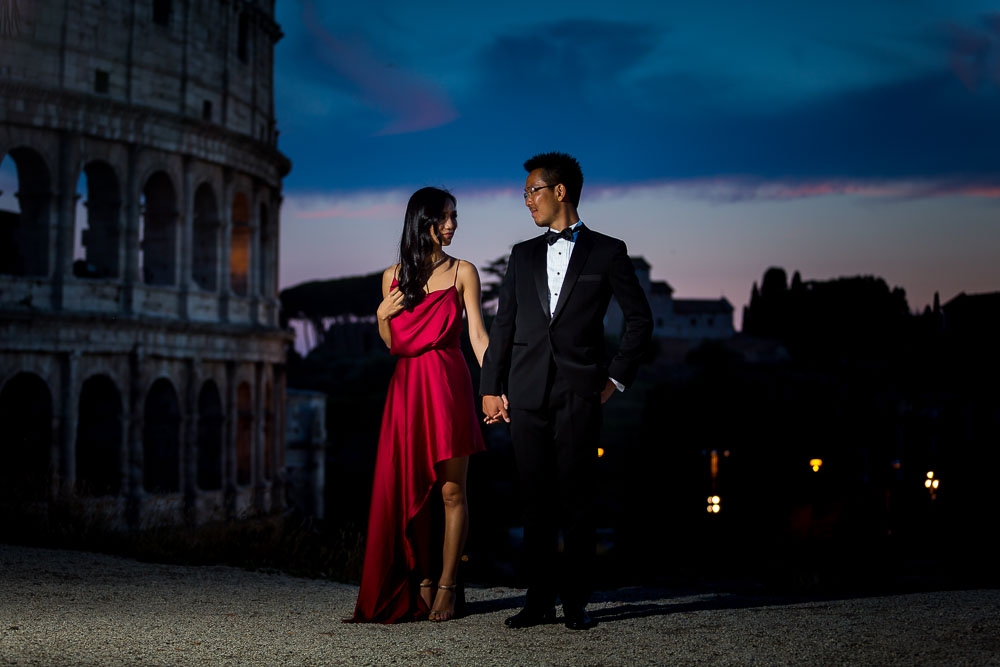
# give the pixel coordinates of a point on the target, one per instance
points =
(527, 618)
(578, 619)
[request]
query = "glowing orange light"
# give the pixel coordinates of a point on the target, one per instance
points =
(713, 504)
(931, 484)
(600, 452)
(815, 464)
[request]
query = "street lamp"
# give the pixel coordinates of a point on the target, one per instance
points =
(931, 484)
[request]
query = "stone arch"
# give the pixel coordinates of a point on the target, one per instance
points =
(210, 433)
(244, 433)
(158, 248)
(24, 234)
(100, 239)
(26, 445)
(99, 438)
(239, 246)
(205, 253)
(161, 435)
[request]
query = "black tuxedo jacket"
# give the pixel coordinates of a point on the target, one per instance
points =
(524, 340)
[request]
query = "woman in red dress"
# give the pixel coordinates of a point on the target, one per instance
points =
(429, 426)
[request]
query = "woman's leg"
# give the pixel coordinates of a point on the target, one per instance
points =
(452, 475)
(421, 529)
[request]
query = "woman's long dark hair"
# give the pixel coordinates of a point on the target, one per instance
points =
(423, 211)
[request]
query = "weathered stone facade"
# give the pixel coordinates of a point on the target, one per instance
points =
(145, 375)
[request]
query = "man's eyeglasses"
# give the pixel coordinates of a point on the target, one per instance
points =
(530, 192)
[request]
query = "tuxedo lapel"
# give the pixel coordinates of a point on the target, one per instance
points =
(584, 242)
(538, 262)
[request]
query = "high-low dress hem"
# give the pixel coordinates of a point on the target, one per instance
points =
(429, 417)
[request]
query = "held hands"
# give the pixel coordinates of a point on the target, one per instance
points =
(608, 390)
(391, 305)
(495, 408)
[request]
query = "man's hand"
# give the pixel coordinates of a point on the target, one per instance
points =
(495, 408)
(609, 389)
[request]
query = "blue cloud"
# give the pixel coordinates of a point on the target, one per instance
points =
(606, 91)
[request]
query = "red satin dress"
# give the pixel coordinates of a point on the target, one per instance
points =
(430, 416)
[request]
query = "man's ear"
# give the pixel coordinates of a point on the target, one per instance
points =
(560, 192)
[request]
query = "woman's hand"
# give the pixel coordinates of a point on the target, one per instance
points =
(391, 305)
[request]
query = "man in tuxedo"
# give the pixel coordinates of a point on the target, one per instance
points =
(546, 358)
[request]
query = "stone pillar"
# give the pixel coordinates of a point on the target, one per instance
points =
(229, 445)
(226, 220)
(254, 289)
(227, 46)
(257, 447)
(187, 236)
(135, 418)
(130, 267)
(279, 444)
(189, 441)
(274, 210)
(124, 451)
(267, 239)
(253, 31)
(61, 225)
(68, 410)
(186, 42)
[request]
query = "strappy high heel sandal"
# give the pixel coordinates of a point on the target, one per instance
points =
(458, 605)
(424, 585)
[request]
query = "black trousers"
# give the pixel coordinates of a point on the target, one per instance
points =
(556, 451)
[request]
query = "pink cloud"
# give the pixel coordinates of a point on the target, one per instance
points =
(986, 190)
(373, 212)
(412, 103)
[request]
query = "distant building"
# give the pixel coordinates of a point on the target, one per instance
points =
(973, 315)
(305, 459)
(343, 335)
(685, 319)
(144, 378)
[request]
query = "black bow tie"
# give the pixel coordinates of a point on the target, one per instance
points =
(568, 233)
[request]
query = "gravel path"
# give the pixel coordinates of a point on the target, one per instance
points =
(66, 607)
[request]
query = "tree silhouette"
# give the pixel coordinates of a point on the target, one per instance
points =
(495, 271)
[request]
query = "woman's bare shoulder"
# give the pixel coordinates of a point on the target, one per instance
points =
(467, 274)
(466, 268)
(388, 276)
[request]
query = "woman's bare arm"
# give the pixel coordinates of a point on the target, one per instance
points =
(471, 291)
(392, 304)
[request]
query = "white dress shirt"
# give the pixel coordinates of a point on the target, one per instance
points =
(556, 262)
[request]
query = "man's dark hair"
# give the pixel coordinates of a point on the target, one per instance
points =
(559, 168)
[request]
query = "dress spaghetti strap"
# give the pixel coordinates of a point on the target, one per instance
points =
(457, 264)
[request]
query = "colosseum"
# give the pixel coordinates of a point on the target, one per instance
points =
(141, 357)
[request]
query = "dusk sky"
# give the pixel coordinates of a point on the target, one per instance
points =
(717, 139)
